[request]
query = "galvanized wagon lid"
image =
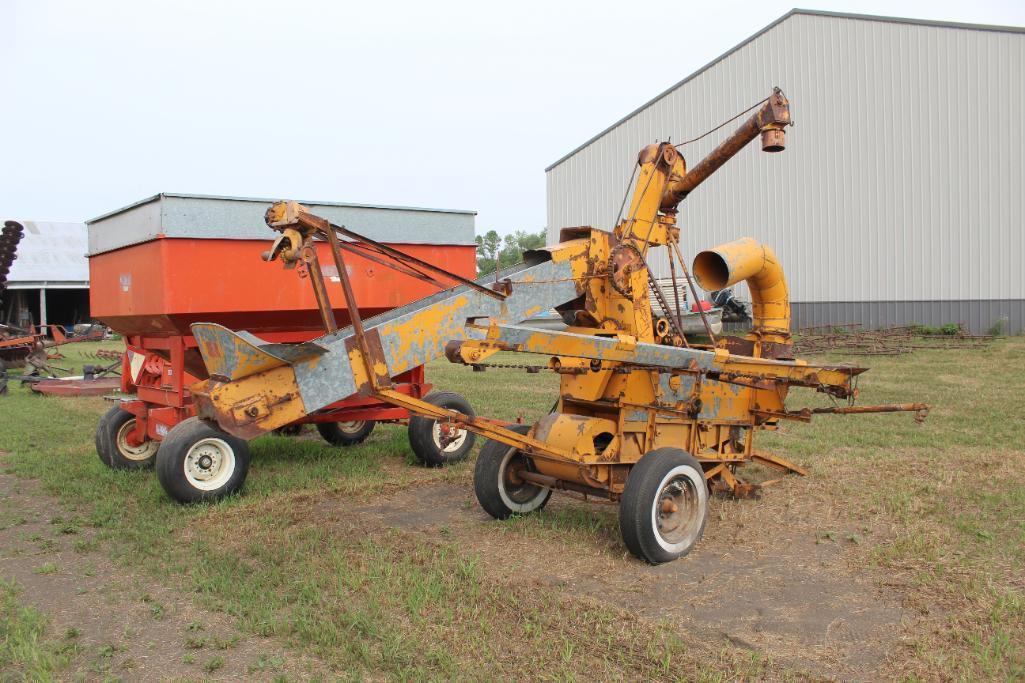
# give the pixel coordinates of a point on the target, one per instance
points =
(191, 216)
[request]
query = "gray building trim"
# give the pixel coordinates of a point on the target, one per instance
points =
(48, 284)
(977, 316)
(907, 20)
(820, 13)
(383, 207)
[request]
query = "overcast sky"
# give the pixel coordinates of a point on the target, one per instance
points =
(438, 104)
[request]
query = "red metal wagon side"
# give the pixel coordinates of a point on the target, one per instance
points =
(160, 265)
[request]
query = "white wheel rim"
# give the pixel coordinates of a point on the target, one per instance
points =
(693, 494)
(143, 451)
(503, 493)
(352, 427)
(209, 464)
(452, 446)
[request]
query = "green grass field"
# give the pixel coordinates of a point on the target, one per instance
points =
(25, 647)
(938, 509)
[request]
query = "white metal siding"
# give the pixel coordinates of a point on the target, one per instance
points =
(903, 178)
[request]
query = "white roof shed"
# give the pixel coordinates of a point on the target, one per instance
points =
(51, 256)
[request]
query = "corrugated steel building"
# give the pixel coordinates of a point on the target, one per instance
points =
(901, 195)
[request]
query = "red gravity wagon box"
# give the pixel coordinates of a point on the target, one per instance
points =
(171, 260)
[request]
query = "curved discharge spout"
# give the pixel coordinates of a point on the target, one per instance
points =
(747, 259)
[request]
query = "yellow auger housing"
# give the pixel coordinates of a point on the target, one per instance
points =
(747, 259)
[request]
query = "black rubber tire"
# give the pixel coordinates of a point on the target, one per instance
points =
(174, 455)
(289, 430)
(489, 483)
(100, 438)
(644, 487)
(115, 422)
(421, 432)
(337, 435)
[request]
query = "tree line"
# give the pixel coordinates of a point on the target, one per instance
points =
(493, 249)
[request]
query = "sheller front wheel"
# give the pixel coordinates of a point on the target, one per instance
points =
(199, 462)
(500, 489)
(664, 507)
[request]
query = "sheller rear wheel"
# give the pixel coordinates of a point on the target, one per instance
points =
(664, 507)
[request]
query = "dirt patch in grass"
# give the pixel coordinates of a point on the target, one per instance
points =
(423, 568)
(101, 621)
(789, 597)
(844, 573)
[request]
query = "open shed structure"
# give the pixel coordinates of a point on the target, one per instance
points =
(49, 279)
(899, 197)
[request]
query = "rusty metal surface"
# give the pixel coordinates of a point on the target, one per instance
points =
(283, 216)
(851, 340)
(920, 410)
(609, 349)
(625, 260)
(675, 249)
(77, 386)
(233, 355)
(774, 115)
(677, 320)
(313, 269)
(33, 349)
(746, 347)
(10, 236)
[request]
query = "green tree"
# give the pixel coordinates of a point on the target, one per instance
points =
(488, 246)
(505, 251)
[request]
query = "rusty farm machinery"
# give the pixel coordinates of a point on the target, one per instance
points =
(31, 347)
(652, 426)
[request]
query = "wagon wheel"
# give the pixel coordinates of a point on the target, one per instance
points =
(199, 462)
(112, 442)
(289, 430)
(436, 443)
(346, 433)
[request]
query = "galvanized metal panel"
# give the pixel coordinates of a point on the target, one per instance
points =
(207, 217)
(903, 176)
(134, 224)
